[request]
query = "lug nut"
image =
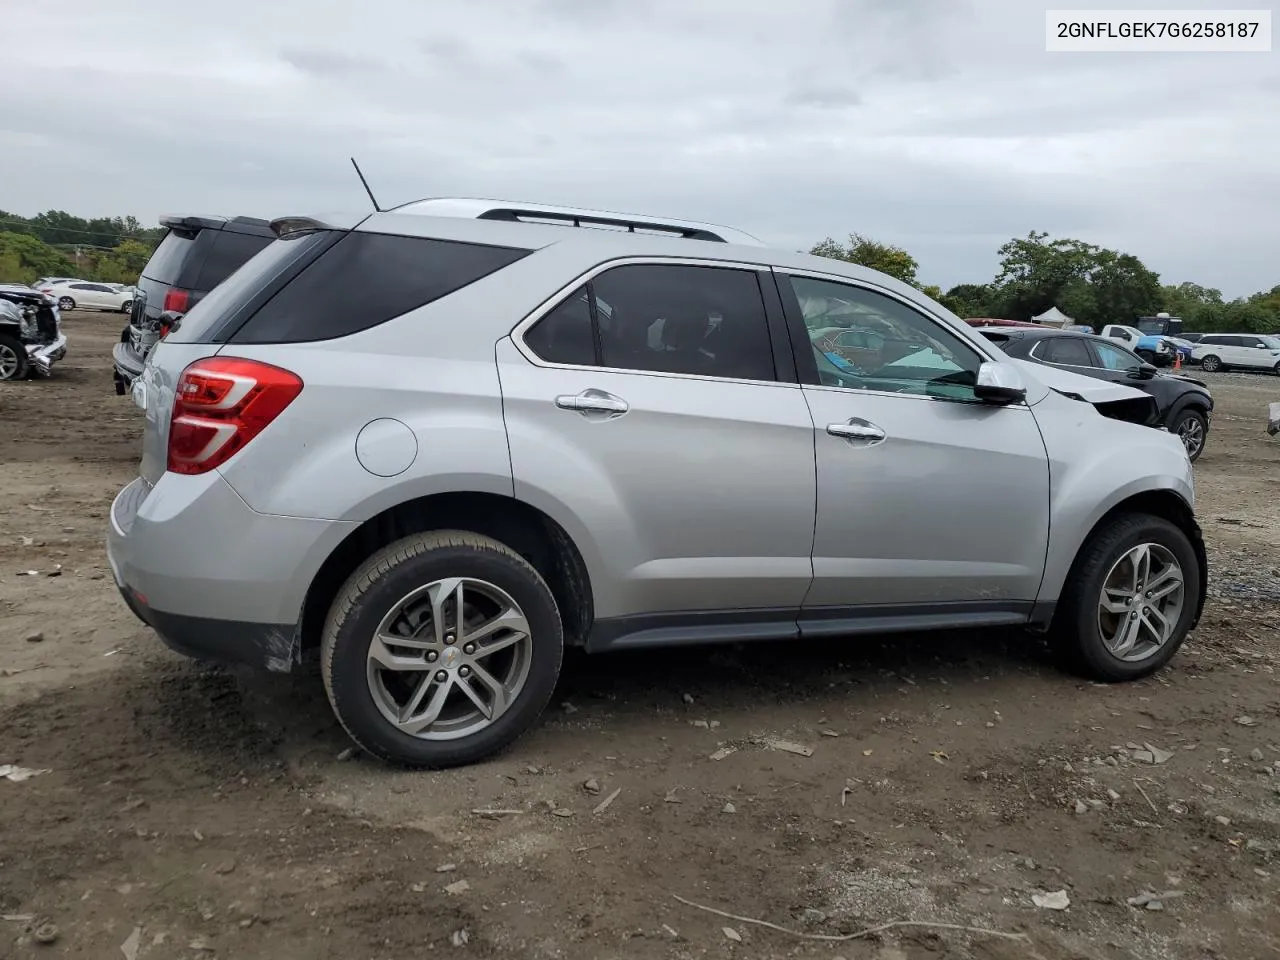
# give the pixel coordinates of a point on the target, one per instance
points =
(469, 649)
(441, 677)
(449, 638)
(464, 671)
(432, 656)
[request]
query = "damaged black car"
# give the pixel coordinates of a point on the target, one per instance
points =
(31, 337)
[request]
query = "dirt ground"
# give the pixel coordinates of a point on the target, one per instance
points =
(186, 812)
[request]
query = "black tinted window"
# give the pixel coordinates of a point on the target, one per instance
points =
(168, 258)
(221, 311)
(1071, 351)
(226, 252)
(707, 321)
(366, 279)
(564, 335)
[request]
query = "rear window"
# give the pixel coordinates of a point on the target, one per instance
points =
(366, 279)
(226, 306)
(226, 253)
(167, 261)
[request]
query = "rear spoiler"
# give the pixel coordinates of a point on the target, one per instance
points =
(193, 224)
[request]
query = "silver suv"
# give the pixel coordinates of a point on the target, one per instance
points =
(437, 444)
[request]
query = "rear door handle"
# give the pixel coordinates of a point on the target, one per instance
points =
(593, 401)
(862, 433)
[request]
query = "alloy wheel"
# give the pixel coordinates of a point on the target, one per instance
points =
(1141, 602)
(9, 362)
(449, 659)
(1191, 433)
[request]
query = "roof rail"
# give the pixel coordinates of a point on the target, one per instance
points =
(519, 212)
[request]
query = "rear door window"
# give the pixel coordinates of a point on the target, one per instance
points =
(668, 318)
(366, 279)
(1067, 351)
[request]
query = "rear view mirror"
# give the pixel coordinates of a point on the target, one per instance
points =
(1000, 383)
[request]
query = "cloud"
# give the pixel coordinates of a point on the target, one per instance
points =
(941, 125)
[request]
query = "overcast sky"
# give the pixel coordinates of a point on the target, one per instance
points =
(939, 125)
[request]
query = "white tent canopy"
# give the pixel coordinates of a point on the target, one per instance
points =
(1053, 317)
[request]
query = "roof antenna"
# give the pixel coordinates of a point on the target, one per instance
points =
(365, 182)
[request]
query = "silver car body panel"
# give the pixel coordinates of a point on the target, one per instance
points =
(707, 495)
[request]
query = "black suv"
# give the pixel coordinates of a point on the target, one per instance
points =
(196, 254)
(1185, 403)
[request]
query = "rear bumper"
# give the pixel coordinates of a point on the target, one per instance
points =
(262, 646)
(127, 366)
(215, 579)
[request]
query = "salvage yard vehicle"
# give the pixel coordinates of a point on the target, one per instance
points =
(434, 445)
(195, 255)
(1152, 348)
(31, 337)
(1184, 404)
(1244, 351)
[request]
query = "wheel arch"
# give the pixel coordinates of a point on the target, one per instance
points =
(1167, 505)
(525, 529)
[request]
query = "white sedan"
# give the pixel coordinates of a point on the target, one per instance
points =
(86, 295)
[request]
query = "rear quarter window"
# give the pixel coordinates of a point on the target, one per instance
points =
(366, 279)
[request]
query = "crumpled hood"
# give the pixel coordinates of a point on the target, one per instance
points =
(1087, 388)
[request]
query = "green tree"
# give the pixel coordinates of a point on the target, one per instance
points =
(23, 258)
(123, 263)
(1087, 282)
(970, 300)
(865, 252)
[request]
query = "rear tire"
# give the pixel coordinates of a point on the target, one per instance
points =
(66, 303)
(1089, 637)
(382, 693)
(13, 358)
(126, 307)
(1211, 363)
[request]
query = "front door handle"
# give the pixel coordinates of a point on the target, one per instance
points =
(862, 433)
(596, 402)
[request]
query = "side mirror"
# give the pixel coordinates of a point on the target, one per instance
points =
(1000, 383)
(1143, 371)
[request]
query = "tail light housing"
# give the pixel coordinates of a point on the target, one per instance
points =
(176, 300)
(222, 403)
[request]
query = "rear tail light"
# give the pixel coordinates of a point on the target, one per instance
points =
(176, 301)
(220, 405)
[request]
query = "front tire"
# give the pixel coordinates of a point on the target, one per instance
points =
(1211, 363)
(126, 307)
(1129, 599)
(66, 303)
(13, 358)
(441, 650)
(1192, 429)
